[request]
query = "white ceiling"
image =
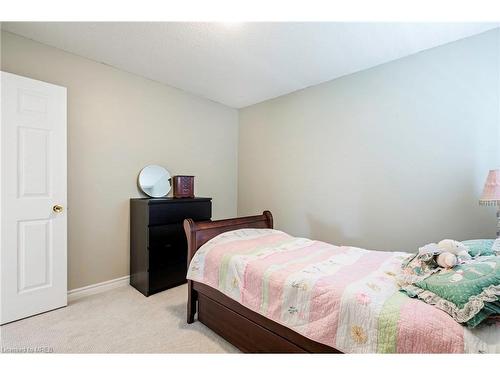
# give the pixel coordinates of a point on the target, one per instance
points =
(243, 63)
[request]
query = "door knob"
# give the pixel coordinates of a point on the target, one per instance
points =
(57, 208)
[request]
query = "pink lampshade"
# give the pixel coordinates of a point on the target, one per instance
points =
(491, 191)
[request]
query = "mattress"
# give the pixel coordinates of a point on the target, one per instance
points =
(341, 296)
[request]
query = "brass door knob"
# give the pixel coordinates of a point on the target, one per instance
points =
(57, 208)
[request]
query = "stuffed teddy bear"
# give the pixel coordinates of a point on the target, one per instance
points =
(446, 260)
(456, 248)
(450, 253)
(446, 253)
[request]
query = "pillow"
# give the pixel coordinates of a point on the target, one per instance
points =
(468, 292)
(481, 247)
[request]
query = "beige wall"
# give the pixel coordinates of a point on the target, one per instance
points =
(118, 123)
(388, 158)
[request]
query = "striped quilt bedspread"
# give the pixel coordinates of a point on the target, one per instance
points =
(344, 297)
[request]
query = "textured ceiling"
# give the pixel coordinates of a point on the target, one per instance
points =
(243, 63)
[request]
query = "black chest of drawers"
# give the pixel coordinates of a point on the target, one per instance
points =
(158, 246)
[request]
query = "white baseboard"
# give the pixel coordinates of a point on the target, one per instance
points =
(89, 290)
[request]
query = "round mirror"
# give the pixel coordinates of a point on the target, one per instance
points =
(154, 181)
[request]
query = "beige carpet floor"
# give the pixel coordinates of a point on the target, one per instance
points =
(121, 320)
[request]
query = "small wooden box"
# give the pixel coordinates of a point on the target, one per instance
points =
(183, 186)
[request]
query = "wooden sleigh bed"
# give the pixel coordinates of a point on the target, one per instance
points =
(247, 330)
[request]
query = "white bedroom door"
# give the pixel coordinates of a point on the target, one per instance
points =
(33, 270)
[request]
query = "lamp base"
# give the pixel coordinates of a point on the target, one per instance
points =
(498, 222)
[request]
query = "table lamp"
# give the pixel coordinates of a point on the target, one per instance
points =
(491, 194)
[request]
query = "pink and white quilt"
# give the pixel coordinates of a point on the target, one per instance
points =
(341, 296)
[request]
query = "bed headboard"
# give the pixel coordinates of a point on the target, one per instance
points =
(200, 232)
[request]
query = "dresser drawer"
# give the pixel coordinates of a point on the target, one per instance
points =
(160, 258)
(164, 236)
(177, 212)
(167, 277)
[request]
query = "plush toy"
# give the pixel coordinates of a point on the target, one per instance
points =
(446, 260)
(454, 247)
(447, 253)
(450, 252)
